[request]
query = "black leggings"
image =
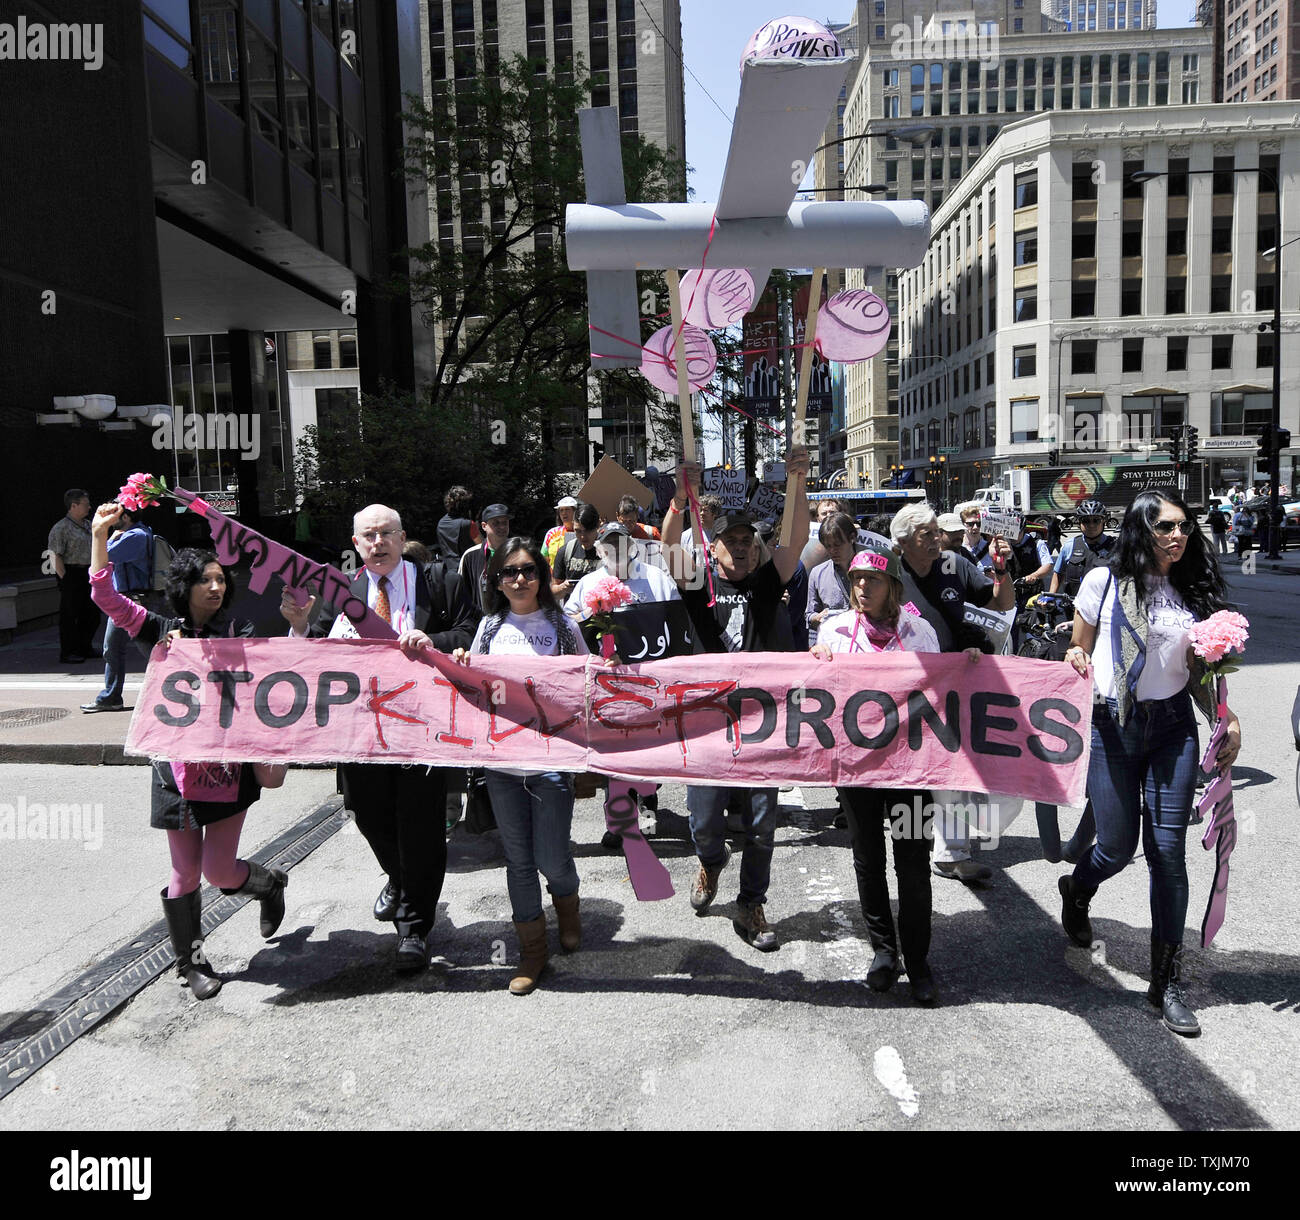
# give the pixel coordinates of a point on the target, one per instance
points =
(866, 810)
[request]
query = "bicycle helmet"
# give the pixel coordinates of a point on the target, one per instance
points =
(1090, 508)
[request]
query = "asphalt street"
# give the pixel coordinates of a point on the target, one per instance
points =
(665, 1019)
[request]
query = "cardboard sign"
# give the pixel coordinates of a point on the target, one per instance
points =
(767, 504)
(996, 624)
(1001, 523)
(727, 485)
(608, 484)
(895, 720)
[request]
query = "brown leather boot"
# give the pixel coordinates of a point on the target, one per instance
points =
(532, 955)
(566, 915)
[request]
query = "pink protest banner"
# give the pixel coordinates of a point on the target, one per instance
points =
(1221, 828)
(235, 543)
(1001, 724)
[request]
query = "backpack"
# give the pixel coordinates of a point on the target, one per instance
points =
(163, 554)
(132, 556)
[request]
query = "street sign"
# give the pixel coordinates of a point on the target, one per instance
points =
(950, 449)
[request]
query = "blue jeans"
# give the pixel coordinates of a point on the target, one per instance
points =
(1143, 777)
(708, 810)
(116, 642)
(534, 815)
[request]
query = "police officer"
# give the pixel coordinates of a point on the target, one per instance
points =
(1091, 549)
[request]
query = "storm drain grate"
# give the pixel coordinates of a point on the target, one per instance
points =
(27, 717)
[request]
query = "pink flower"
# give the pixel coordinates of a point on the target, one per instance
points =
(141, 491)
(1220, 634)
(606, 595)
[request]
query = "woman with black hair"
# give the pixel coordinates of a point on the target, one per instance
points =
(201, 806)
(1132, 621)
(534, 809)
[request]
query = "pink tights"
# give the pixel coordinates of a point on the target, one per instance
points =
(209, 851)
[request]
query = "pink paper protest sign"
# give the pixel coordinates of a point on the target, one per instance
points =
(1004, 724)
(852, 326)
(659, 363)
(234, 543)
(717, 298)
(1216, 806)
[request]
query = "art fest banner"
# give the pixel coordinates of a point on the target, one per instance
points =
(762, 357)
(1002, 724)
(820, 396)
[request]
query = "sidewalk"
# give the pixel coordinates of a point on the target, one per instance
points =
(41, 720)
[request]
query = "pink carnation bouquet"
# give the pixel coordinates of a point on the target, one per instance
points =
(604, 597)
(142, 491)
(1217, 640)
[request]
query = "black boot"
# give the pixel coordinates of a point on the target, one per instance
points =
(1166, 990)
(268, 885)
(884, 969)
(1074, 911)
(184, 917)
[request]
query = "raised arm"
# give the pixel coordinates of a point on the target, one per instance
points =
(786, 558)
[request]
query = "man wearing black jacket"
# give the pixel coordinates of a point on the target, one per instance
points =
(398, 808)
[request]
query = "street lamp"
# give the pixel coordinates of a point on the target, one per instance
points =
(1275, 453)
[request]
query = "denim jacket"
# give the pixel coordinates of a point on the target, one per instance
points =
(1129, 628)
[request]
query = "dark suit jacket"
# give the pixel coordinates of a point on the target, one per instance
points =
(448, 619)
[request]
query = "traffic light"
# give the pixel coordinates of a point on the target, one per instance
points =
(1283, 440)
(1266, 441)
(597, 452)
(1053, 457)
(1176, 445)
(1192, 442)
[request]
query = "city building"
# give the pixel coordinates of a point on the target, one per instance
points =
(1256, 48)
(226, 175)
(925, 108)
(1065, 310)
(1104, 14)
(633, 50)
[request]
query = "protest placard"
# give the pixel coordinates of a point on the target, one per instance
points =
(766, 504)
(1001, 523)
(608, 484)
(727, 485)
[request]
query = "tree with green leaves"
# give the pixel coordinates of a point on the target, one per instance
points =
(506, 412)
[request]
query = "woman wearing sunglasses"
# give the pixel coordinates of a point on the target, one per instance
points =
(1132, 621)
(534, 809)
(875, 623)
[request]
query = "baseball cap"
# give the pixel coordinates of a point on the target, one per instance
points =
(612, 530)
(494, 510)
(567, 502)
(951, 523)
(879, 560)
(730, 521)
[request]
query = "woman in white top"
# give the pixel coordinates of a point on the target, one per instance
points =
(1132, 621)
(875, 622)
(533, 809)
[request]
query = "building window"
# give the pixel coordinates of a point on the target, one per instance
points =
(1026, 190)
(1176, 237)
(1264, 351)
(1176, 295)
(1131, 239)
(1083, 183)
(1221, 294)
(1083, 356)
(1026, 304)
(1026, 251)
(1132, 357)
(1130, 297)
(1221, 352)
(1176, 354)
(1083, 300)
(1083, 241)
(1221, 235)
(1024, 421)
(1024, 361)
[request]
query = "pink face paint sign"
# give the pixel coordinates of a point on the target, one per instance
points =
(235, 543)
(748, 720)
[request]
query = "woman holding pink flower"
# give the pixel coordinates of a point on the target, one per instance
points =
(1134, 623)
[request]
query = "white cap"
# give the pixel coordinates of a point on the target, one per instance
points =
(567, 502)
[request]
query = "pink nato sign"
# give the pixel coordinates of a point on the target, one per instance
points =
(853, 325)
(715, 299)
(660, 367)
(792, 38)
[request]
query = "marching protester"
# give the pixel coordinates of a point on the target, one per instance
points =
(828, 582)
(628, 515)
(953, 529)
(495, 523)
(566, 512)
(1091, 548)
(393, 805)
(873, 623)
(977, 546)
(702, 530)
(69, 547)
(1132, 623)
(533, 809)
(577, 555)
(938, 584)
(746, 615)
(200, 806)
(456, 531)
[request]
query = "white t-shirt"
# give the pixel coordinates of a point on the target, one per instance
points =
(645, 582)
(1165, 672)
(914, 634)
(526, 635)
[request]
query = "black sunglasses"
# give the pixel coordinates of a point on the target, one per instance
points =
(527, 570)
(1091, 520)
(1168, 527)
